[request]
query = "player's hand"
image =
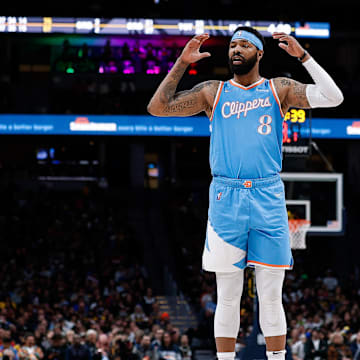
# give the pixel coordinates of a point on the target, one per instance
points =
(191, 52)
(289, 44)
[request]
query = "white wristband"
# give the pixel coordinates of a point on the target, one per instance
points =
(325, 93)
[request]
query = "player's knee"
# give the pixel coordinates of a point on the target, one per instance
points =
(270, 301)
(227, 309)
(271, 297)
(271, 309)
(272, 316)
(272, 321)
(227, 317)
(229, 301)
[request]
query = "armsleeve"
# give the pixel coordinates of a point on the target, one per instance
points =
(324, 93)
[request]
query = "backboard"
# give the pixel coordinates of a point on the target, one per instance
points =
(317, 197)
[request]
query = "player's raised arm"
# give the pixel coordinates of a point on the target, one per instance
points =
(324, 93)
(167, 102)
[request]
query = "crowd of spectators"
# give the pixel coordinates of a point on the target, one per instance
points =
(72, 282)
(323, 315)
(73, 286)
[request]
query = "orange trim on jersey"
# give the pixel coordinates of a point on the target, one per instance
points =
(271, 265)
(217, 97)
(247, 87)
(272, 86)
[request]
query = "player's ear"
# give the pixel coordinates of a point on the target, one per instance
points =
(260, 54)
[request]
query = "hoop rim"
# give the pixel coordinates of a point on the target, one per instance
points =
(299, 221)
(296, 224)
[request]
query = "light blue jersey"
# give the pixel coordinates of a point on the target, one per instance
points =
(246, 131)
(247, 219)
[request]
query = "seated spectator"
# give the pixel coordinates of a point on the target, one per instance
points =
(103, 348)
(155, 344)
(138, 337)
(124, 349)
(57, 350)
(148, 301)
(355, 347)
(164, 319)
(156, 314)
(337, 349)
(297, 343)
(7, 350)
(91, 340)
(317, 322)
(139, 316)
(132, 330)
(70, 334)
(30, 351)
(184, 348)
(144, 350)
(315, 347)
(175, 335)
(167, 350)
(77, 351)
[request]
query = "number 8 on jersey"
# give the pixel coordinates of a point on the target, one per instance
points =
(264, 128)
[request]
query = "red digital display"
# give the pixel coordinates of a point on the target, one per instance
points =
(292, 123)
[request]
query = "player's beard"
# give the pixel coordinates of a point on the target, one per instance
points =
(243, 68)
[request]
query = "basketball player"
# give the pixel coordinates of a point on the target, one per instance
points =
(247, 223)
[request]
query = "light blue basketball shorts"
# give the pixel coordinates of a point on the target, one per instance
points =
(247, 225)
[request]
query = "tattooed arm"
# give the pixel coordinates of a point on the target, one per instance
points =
(167, 102)
(291, 94)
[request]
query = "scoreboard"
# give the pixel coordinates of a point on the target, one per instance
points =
(297, 132)
(151, 26)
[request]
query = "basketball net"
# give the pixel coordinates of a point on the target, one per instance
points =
(298, 229)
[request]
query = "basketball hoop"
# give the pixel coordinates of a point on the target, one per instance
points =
(298, 229)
